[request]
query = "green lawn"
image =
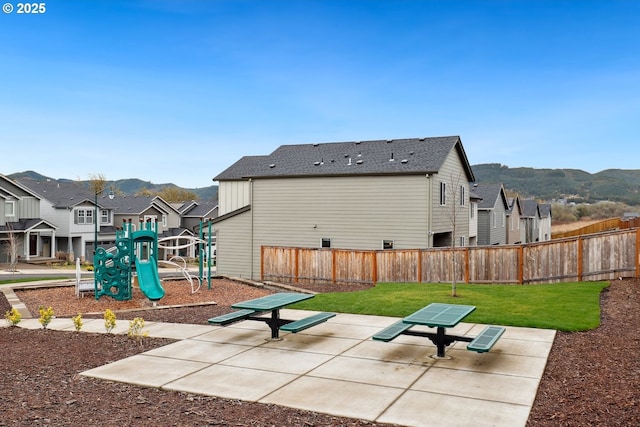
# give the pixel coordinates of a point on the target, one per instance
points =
(31, 279)
(562, 306)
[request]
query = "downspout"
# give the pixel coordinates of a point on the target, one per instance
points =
(251, 237)
(429, 212)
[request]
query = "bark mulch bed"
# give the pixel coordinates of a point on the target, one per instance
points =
(591, 377)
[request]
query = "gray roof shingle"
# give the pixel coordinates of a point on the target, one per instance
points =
(398, 156)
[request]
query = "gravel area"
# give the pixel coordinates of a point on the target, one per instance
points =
(590, 380)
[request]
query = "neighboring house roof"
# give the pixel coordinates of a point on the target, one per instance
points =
(545, 210)
(27, 225)
(514, 202)
(199, 210)
(175, 232)
(397, 156)
(15, 183)
(530, 208)
(489, 193)
(61, 194)
(134, 205)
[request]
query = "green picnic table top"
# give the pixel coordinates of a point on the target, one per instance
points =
(273, 301)
(440, 315)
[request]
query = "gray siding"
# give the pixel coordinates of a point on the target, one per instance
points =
(452, 173)
(233, 195)
(234, 247)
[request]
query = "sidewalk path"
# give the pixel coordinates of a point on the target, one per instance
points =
(337, 368)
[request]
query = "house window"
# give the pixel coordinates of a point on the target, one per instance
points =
(495, 219)
(10, 208)
(326, 243)
(164, 220)
(462, 196)
(443, 193)
(461, 240)
(105, 218)
(83, 216)
(387, 244)
(472, 211)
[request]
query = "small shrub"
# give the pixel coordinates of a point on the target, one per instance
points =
(13, 316)
(135, 329)
(46, 316)
(77, 322)
(109, 320)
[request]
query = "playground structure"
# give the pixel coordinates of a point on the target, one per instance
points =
(113, 267)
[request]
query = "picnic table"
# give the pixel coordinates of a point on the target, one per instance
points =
(254, 310)
(441, 317)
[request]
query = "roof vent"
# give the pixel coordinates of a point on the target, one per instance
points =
(349, 164)
(359, 162)
(315, 144)
(389, 141)
(357, 142)
(316, 163)
(391, 159)
(272, 165)
(404, 161)
(421, 139)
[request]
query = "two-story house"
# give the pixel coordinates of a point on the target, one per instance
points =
(24, 234)
(384, 194)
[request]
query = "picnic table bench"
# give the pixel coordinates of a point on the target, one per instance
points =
(256, 308)
(442, 316)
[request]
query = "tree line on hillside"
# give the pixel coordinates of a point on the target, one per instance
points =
(572, 185)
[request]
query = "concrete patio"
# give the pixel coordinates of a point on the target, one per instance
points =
(336, 368)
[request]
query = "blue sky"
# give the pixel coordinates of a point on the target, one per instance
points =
(176, 91)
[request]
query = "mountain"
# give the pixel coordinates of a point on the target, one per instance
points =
(129, 186)
(618, 185)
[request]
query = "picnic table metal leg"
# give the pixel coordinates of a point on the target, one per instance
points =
(275, 324)
(440, 341)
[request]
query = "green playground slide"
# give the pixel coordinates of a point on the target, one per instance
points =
(148, 279)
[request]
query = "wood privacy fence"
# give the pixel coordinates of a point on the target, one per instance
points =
(603, 256)
(599, 227)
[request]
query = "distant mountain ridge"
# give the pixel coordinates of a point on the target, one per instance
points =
(129, 186)
(617, 185)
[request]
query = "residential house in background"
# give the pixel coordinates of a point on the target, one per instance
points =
(474, 199)
(515, 231)
(545, 222)
(530, 220)
(21, 224)
(193, 213)
(383, 194)
(492, 214)
(72, 207)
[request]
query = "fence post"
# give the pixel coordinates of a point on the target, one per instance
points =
(466, 265)
(374, 267)
(579, 260)
(333, 266)
(296, 265)
(419, 266)
(521, 264)
(262, 263)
